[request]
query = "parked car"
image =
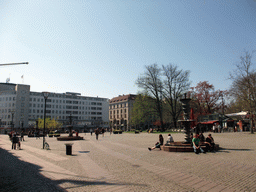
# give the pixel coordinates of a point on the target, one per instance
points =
(51, 133)
(56, 133)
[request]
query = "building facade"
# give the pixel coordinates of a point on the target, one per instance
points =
(120, 109)
(23, 107)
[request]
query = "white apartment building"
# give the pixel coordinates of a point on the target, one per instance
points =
(23, 107)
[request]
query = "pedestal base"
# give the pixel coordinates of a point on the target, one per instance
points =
(183, 147)
(67, 138)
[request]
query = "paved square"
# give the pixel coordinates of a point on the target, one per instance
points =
(123, 163)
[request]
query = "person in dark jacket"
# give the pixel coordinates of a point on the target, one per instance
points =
(210, 145)
(15, 141)
(158, 144)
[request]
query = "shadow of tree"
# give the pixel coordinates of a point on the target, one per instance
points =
(18, 175)
(84, 182)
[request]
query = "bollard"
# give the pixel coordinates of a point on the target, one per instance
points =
(69, 148)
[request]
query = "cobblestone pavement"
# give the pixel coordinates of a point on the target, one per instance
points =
(123, 163)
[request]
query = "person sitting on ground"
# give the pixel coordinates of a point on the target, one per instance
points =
(210, 143)
(169, 139)
(196, 144)
(158, 144)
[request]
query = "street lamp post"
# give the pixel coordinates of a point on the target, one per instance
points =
(46, 95)
(12, 112)
(24, 63)
(70, 126)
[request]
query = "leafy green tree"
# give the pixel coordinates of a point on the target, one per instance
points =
(49, 123)
(143, 110)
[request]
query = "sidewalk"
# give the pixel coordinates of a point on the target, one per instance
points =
(123, 163)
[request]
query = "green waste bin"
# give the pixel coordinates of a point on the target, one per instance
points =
(69, 148)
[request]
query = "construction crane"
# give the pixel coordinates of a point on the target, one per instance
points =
(24, 63)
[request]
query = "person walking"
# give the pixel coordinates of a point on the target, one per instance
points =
(15, 141)
(97, 133)
(22, 136)
(91, 131)
(102, 131)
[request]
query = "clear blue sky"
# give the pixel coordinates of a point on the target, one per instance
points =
(100, 47)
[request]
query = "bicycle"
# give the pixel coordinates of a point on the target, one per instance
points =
(46, 146)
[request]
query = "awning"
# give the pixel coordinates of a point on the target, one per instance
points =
(209, 122)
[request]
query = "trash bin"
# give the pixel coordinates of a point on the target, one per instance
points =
(69, 148)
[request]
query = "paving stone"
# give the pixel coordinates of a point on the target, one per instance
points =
(123, 163)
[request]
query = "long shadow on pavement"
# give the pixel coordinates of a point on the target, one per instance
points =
(229, 149)
(83, 182)
(18, 175)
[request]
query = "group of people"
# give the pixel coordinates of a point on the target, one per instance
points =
(197, 141)
(15, 139)
(216, 128)
(99, 131)
(161, 142)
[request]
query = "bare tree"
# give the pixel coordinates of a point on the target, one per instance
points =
(243, 87)
(150, 82)
(176, 83)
